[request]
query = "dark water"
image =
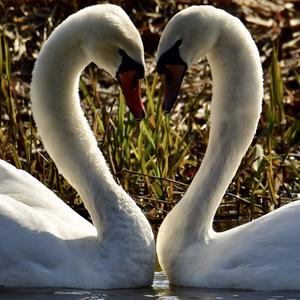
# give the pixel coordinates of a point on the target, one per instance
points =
(159, 290)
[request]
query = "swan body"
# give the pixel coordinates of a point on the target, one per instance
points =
(44, 243)
(265, 253)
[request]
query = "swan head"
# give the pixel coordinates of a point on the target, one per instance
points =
(187, 37)
(108, 38)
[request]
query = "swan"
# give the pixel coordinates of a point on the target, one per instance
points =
(263, 254)
(44, 243)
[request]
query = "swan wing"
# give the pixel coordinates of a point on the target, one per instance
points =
(27, 202)
(271, 239)
(24, 188)
(266, 249)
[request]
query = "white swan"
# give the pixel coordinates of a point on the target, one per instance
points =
(44, 243)
(263, 254)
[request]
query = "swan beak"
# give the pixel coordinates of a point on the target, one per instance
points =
(130, 85)
(172, 76)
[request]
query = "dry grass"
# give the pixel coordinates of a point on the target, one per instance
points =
(156, 159)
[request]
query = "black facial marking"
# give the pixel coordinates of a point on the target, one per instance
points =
(170, 57)
(128, 64)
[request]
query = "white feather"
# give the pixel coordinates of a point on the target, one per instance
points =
(263, 254)
(44, 243)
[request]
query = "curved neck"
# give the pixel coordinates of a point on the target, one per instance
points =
(235, 110)
(65, 131)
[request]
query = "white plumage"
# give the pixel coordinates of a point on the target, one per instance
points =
(263, 254)
(44, 243)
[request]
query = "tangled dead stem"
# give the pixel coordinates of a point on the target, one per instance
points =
(156, 161)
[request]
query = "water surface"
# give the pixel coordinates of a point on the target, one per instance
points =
(160, 290)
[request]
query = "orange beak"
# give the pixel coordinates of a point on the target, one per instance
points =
(130, 85)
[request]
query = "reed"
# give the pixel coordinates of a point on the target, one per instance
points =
(156, 159)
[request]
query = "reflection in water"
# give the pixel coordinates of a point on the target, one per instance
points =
(160, 290)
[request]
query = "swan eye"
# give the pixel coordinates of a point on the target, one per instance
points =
(178, 43)
(122, 52)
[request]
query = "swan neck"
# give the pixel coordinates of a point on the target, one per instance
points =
(64, 129)
(235, 110)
